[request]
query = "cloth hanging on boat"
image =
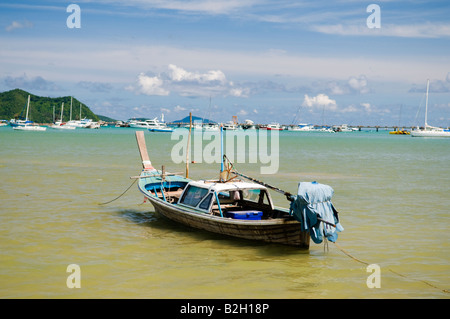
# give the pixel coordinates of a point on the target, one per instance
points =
(313, 201)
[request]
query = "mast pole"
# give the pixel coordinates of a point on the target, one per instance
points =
(188, 145)
(221, 153)
(28, 107)
(426, 104)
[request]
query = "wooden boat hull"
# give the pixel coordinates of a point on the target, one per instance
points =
(192, 203)
(280, 231)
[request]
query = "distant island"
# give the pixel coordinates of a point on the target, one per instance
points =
(195, 119)
(47, 109)
(13, 106)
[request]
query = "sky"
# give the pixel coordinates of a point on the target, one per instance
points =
(317, 62)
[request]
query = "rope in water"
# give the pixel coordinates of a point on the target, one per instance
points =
(398, 274)
(120, 194)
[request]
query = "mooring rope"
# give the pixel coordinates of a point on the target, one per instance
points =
(120, 194)
(394, 272)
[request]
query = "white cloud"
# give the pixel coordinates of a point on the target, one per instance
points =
(148, 85)
(367, 107)
(178, 74)
(240, 92)
(187, 83)
(358, 84)
(18, 25)
(349, 109)
(319, 101)
(353, 85)
(179, 108)
(426, 30)
(190, 6)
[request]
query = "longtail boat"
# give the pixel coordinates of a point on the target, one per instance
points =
(227, 206)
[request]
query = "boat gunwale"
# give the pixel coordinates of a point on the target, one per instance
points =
(205, 216)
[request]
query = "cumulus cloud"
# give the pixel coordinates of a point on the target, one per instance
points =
(353, 85)
(178, 74)
(187, 83)
(320, 101)
(149, 85)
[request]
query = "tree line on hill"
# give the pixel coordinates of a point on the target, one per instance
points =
(13, 105)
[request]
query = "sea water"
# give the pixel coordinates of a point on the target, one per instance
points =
(391, 191)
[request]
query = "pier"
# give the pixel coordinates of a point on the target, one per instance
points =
(333, 127)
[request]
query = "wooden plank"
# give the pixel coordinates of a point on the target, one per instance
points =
(146, 163)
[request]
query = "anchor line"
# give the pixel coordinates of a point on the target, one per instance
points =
(394, 272)
(120, 194)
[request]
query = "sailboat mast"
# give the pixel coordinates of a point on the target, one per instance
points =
(28, 107)
(426, 104)
(62, 111)
(70, 109)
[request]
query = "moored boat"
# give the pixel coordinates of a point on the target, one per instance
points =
(153, 125)
(400, 132)
(236, 208)
(274, 127)
(60, 124)
(428, 130)
(27, 125)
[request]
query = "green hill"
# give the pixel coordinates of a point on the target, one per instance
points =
(13, 104)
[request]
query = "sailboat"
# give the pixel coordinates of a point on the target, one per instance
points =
(28, 125)
(60, 124)
(83, 123)
(428, 130)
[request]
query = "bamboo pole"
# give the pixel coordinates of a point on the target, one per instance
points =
(188, 145)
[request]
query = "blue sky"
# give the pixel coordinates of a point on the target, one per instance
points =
(269, 61)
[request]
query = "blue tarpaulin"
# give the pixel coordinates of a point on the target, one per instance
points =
(313, 201)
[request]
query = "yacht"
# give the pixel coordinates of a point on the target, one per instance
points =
(274, 127)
